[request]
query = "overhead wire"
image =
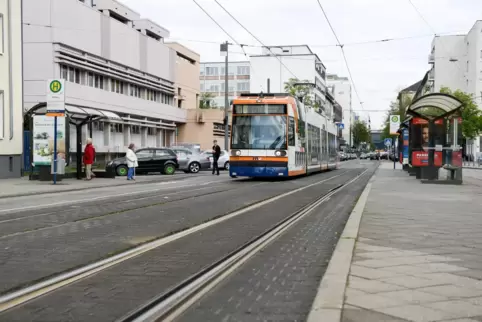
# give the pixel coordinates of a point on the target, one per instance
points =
(227, 33)
(257, 39)
(344, 56)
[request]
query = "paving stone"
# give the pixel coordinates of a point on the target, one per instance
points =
(452, 291)
(412, 281)
(417, 313)
(414, 296)
(463, 308)
(371, 286)
(352, 314)
(371, 273)
(373, 301)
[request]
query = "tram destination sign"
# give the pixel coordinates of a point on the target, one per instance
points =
(260, 109)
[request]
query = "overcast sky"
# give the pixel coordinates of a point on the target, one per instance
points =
(379, 69)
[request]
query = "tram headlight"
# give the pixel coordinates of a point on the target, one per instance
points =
(238, 153)
(278, 153)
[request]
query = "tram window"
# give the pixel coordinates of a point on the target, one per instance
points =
(291, 132)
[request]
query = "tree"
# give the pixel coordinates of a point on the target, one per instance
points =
(471, 115)
(398, 107)
(304, 90)
(360, 133)
(206, 101)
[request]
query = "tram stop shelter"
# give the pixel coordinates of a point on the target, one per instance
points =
(76, 116)
(435, 131)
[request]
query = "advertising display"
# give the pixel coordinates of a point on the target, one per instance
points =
(420, 142)
(43, 139)
(404, 150)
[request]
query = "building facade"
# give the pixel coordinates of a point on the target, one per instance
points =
(340, 88)
(11, 114)
(457, 63)
(212, 79)
(114, 63)
(279, 64)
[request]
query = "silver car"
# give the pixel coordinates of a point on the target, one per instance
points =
(190, 161)
(223, 162)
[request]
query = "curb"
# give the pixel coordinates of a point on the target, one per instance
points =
(328, 303)
(85, 188)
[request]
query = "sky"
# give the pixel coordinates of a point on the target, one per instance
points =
(379, 69)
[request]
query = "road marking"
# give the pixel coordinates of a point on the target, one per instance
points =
(91, 199)
(26, 294)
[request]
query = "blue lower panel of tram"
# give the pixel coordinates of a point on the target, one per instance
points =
(258, 169)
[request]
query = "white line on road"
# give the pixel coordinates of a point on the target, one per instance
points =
(89, 199)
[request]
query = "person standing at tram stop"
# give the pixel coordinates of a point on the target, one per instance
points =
(132, 163)
(89, 157)
(216, 155)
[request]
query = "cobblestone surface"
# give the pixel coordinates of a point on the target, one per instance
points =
(35, 255)
(418, 256)
(112, 293)
(280, 282)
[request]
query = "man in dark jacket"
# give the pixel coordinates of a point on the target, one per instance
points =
(216, 155)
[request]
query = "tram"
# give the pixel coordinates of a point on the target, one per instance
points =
(275, 135)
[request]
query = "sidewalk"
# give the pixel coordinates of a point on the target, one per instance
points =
(418, 255)
(24, 187)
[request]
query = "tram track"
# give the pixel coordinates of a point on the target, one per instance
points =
(50, 285)
(173, 303)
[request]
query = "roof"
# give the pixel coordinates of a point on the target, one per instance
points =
(444, 103)
(412, 88)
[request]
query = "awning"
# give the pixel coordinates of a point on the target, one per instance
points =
(445, 104)
(77, 112)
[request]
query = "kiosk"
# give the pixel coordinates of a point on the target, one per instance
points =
(434, 136)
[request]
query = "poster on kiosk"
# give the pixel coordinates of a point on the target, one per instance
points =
(420, 142)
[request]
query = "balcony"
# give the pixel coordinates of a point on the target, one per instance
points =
(431, 75)
(431, 58)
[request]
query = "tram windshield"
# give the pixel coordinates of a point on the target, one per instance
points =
(259, 132)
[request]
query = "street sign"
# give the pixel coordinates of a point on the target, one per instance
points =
(341, 126)
(394, 124)
(55, 97)
(388, 142)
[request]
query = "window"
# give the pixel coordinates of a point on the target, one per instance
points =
(291, 132)
(135, 129)
(99, 81)
(211, 71)
(64, 72)
(2, 115)
(243, 70)
(145, 154)
(77, 76)
(151, 131)
(163, 153)
(481, 54)
(243, 87)
(117, 128)
(2, 35)
(90, 79)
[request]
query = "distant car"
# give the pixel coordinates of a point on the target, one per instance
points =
(150, 160)
(190, 161)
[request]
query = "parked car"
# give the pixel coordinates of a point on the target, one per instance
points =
(190, 161)
(223, 162)
(150, 160)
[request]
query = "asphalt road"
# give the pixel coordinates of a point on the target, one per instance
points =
(59, 235)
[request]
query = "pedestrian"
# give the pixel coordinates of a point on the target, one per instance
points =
(132, 163)
(89, 157)
(216, 155)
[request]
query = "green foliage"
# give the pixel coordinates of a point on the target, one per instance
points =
(305, 91)
(471, 115)
(360, 133)
(206, 101)
(398, 107)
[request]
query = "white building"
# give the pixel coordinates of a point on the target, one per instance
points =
(11, 116)
(114, 63)
(212, 78)
(457, 64)
(340, 88)
(281, 63)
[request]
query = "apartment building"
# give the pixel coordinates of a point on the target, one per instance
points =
(340, 88)
(115, 63)
(212, 78)
(457, 63)
(11, 116)
(281, 63)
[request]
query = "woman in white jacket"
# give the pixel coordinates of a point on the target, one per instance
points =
(131, 158)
